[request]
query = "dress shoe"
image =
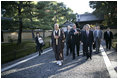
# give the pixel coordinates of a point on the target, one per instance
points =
(73, 58)
(39, 54)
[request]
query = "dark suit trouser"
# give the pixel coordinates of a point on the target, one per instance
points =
(94, 45)
(108, 44)
(88, 52)
(97, 44)
(84, 53)
(77, 45)
(68, 48)
(39, 49)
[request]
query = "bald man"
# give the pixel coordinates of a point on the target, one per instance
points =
(57, 42)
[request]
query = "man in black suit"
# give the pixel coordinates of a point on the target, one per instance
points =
(82, 32)
(68, 40)
(75, 33)
(87, 39)
(108, 36)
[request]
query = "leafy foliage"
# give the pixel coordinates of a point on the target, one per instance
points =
(108, 9)
(42, 14)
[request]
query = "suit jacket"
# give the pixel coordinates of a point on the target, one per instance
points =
(76, 38)
(107, 36)
(87, 40)
(99, 34)
(68, 37)
(82, 32)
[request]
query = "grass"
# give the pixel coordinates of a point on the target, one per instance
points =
(12, 51)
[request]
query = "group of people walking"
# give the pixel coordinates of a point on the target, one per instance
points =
(88, 37)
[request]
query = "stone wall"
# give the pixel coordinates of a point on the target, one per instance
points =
(25, 35)
(28, 35)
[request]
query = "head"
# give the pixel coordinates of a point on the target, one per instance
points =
(94, 28)
(56, 26)
(87, 27)
(98, 27)
(37, 34)
(74, 26)
(68, 27)
(84, 27)
(108, 29)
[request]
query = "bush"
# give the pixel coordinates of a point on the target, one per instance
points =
(12, 51)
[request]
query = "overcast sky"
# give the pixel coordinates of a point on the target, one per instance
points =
(78, 6)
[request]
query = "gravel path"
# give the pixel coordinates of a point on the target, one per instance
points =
(45, 66)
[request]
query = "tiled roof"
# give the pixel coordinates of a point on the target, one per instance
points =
(68, 23)
(88, 17)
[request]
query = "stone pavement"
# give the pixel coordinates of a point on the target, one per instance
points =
(45, 66)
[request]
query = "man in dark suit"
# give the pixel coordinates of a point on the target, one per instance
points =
(82, 32)
(108, 36)
(68, 40)
(87, 39)
(75, 33)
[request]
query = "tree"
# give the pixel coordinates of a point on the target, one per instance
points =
(55, 12)
(108, 9)
(16, 10)
(41, 15)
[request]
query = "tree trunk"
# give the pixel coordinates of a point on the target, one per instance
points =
(20, 23)
(43, 33)
(33, 36)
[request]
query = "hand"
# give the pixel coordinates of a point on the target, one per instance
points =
(75, 32)
(93, 42)
(56, 37)
(81, 43)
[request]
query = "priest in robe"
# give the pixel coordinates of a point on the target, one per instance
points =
(57, 44)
